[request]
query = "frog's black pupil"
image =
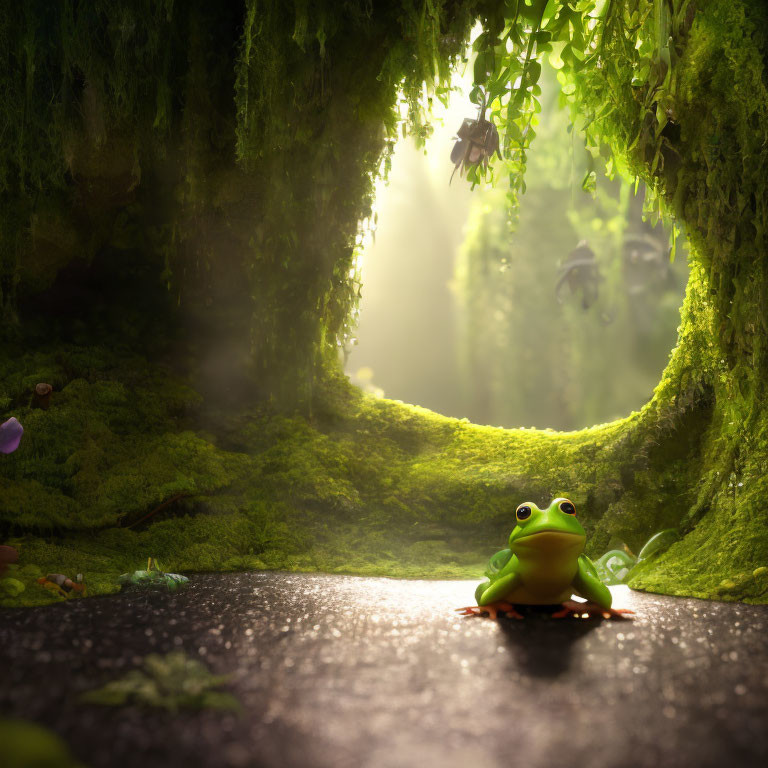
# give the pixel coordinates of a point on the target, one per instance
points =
(568, 508)
(523, 513)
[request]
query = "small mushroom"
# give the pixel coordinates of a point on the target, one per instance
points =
(42, 396)
(8, 555)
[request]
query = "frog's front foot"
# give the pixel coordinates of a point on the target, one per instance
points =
(590, 610)
(492, 609)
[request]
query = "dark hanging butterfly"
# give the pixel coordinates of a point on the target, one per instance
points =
(476, 141)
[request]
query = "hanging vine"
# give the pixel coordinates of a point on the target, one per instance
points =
(597, 46)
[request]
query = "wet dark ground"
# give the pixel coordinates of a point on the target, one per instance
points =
(350, 672)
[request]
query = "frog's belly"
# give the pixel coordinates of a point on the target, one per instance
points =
(540, 594)
(544, 584)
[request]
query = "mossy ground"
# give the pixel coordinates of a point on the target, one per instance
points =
(105, 252)
(364, 486)
(263, 491)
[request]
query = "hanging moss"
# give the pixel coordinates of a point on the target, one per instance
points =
(236, 145)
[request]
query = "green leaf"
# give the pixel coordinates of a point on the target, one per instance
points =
(555, 60)
(673, 249)
(549, 10)
(513, 132)
(533, 73)
(511, 9)
(481, 69)
(658, 543)
(481, 42)
(589, 182)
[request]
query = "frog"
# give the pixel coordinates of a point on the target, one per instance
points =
(544, 564)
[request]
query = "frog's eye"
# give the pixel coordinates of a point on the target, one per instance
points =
(567, 507)
(523, 512)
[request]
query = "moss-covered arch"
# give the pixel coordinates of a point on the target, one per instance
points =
(181, 199)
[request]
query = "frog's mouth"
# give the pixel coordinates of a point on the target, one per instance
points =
(551, 541)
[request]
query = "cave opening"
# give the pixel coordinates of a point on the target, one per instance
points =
(563, 320)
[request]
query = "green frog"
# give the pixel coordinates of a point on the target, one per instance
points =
(544, 565)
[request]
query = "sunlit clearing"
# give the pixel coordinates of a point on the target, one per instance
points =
(407, 329)
(566, 322)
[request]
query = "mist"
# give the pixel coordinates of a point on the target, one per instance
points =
(462, 314)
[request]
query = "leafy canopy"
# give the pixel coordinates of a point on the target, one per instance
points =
(597, 46)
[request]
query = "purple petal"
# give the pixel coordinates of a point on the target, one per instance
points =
(10, 435)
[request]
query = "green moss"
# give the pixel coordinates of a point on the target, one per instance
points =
(196, 300)
(228, 150)
(371, 486)
(111, 448)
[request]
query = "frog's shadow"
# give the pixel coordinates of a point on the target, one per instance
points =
(542, 646)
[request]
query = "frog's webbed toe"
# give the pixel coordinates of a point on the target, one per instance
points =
(617, 613)
(590, 611)
(492, 609)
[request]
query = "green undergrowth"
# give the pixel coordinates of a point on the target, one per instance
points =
(365, 486)
(173, 682)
